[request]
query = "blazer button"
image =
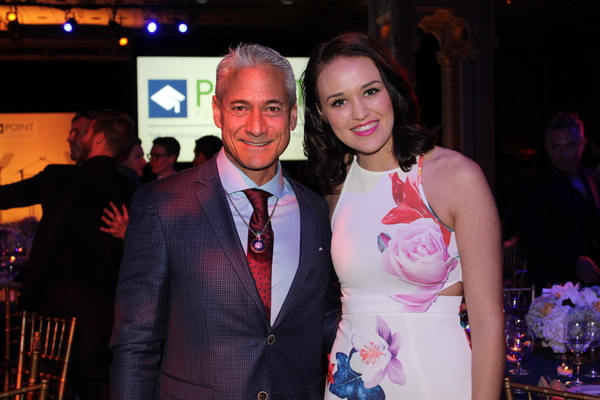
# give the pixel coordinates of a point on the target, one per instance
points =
(271, 339)
(263, 396)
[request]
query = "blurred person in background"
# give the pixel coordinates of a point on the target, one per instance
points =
(79, 125)
(133, 157)
(131, 164)
(206, 147)
(559, 211)
(163, 155)
(73, 267)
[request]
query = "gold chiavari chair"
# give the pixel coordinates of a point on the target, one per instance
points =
(49, 340)
(549, 394)
(514, 261)
(12, 323)
(41, 389)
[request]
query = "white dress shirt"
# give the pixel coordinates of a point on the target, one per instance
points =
(285, 223)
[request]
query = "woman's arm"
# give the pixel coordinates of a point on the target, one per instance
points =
(478, 238)
(458, 191)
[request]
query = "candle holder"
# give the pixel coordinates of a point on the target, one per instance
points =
(564, 366)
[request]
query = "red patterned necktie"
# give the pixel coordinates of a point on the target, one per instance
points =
(260, 260)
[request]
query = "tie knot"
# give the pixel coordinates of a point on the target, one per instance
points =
(258, 198)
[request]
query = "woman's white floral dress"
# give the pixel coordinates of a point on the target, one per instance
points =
(397, 339)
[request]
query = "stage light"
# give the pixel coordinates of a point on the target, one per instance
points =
(13, 26)
(70, 25)
(116, 29)
(181, 26)
(152, 26)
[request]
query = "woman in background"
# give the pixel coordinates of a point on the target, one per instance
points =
(415, 227)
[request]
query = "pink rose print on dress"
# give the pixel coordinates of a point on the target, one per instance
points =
(375, 356)
(418, 253)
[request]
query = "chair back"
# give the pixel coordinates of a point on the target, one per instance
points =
(47, 339)
(549, 394)
(41, 389)
(9, 292)
(514, 261)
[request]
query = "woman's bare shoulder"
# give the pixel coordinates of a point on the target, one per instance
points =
(445, 165)
(449, 178)
(443, 157)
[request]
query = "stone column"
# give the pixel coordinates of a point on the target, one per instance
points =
(452, 34)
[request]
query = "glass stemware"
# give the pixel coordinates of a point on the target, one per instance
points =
(577, 338)
(519, 343)
(594, 326)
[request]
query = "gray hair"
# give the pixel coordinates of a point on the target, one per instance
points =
(255, 55)
(565, 121)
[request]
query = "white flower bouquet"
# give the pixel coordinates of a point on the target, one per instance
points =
(547, 313)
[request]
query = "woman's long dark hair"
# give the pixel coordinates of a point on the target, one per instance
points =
(328, 157)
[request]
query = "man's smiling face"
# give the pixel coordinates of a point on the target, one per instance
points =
(255, 119)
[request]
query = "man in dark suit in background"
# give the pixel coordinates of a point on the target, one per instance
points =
(190, 322)
(559, 211)
(73, 266)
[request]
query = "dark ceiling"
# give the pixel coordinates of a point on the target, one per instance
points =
(531, 24)
(213, 25)
(294, 24)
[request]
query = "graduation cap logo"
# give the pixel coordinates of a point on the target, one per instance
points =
(168, 99)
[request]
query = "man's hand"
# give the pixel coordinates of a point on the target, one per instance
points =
(587, 271)
(117, 220)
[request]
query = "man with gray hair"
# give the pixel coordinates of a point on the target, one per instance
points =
(559, 211)
(209, 304)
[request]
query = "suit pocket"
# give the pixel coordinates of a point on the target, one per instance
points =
(172, 388)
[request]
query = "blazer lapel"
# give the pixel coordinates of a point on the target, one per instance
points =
(569, 196)
(213, 201)
(307, 227)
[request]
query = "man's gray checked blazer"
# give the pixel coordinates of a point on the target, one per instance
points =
(187, 301)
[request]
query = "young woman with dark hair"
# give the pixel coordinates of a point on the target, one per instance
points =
(415, 227)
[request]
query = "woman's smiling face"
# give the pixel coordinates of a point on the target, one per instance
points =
(357, 105)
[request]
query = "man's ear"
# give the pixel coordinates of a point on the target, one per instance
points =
(294, 117)
(216, 112)
(98, 138)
